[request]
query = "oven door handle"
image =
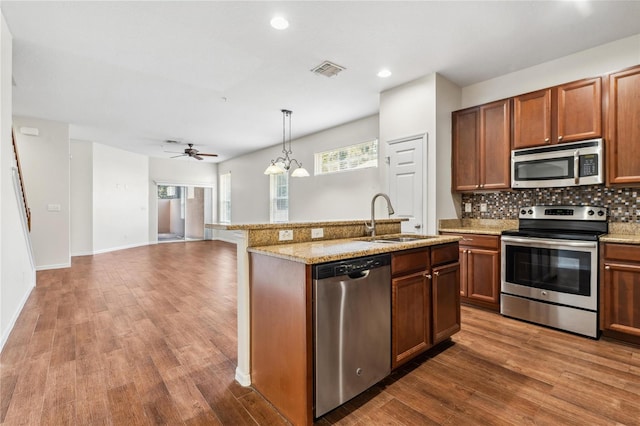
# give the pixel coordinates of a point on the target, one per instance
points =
(537, 243)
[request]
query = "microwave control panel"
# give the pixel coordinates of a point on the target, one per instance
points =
(588, 165)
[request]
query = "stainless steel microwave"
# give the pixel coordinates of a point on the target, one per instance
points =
(566, 164)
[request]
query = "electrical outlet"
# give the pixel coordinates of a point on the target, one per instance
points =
(483, 207)
(467, 207)
(285, 235)
(317, 232)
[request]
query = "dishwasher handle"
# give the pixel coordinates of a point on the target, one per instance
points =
(358, 275)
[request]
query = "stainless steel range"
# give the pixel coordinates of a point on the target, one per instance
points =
(550, 267)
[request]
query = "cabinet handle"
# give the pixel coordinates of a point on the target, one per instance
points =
(427, 276)
(607, 267)
(482, 185)
(436, 273)
(546, 140)
(559, 138)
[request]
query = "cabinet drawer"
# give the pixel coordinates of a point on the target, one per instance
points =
(628, 252)
(410, 261)
(478, 240)
(445, 253)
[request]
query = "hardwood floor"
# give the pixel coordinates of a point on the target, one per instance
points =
(148, 336)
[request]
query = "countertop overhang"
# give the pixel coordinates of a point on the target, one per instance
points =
(332, 250)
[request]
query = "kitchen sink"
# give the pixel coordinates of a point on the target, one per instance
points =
(400, 239)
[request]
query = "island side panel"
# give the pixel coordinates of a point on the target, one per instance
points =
(281, 335)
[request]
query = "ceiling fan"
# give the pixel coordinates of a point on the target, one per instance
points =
(193, 153)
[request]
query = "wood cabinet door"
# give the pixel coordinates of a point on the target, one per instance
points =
(532, 119)
(445, 301)
(410, 317)
(483, 276)
(620, 290)
(623, 142)
(495, 145)
(579, 110)
(465, 150)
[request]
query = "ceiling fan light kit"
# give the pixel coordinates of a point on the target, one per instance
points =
(283, 164)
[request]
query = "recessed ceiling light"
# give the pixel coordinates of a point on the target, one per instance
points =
(279, 23)
(384, 73)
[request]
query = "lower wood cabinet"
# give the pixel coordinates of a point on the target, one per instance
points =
(425, 300)
(480, 270)
(620, 291)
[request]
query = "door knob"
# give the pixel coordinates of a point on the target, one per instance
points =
(418, 226)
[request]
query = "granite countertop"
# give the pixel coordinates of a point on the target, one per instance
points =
(280, 225)
(477, 226)
(625, 233)
(331, 250)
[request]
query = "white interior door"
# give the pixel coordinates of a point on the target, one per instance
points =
(406, 181)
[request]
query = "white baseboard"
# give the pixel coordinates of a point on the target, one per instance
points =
(12, 322)
(110, 249)
(55, 266)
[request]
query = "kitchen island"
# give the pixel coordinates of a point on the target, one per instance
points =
(268, 234)
(425, 308)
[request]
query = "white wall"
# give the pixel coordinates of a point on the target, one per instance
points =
(418, 107)
(588, 63)
(17, 270)
(81, 188)
(120, 199)
(185, 172)
(45, 166)
(447, 100)
(327, 197)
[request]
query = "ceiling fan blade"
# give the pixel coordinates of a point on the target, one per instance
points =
(197, 156)
(208, 155)
(176, 156)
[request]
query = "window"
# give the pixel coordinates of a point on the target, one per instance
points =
(279, 197)
(351, 157)
(225, 198)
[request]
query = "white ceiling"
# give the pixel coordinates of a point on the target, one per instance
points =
(133, 74)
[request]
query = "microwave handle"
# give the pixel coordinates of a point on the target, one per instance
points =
(576, 165)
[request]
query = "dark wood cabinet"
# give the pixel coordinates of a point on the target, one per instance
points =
(623, 139)
(565, 113)
(579, 110)
(425, 301)
(480, 270)
(411, 329)
(532, 119)
(481, 147)
(445, 293)
(620, 291)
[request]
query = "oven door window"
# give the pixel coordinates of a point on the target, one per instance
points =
(565, 271)
(544, 169)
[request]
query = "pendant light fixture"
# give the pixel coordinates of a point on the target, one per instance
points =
(283, 164)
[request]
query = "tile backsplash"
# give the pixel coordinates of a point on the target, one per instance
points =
(623, 203)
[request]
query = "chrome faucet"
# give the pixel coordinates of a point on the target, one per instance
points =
(372, 228)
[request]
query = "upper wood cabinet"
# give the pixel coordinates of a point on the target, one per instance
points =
(532, 119)
(566, 113)
(481, 147)
(623, 138)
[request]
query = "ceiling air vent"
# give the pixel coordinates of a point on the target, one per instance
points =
(328, 69)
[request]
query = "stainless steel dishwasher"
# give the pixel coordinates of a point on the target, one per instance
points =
(352, 326)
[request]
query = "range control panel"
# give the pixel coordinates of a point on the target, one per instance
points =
(595, 213)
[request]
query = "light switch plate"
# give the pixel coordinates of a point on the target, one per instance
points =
(317, 232)
(285, 235)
